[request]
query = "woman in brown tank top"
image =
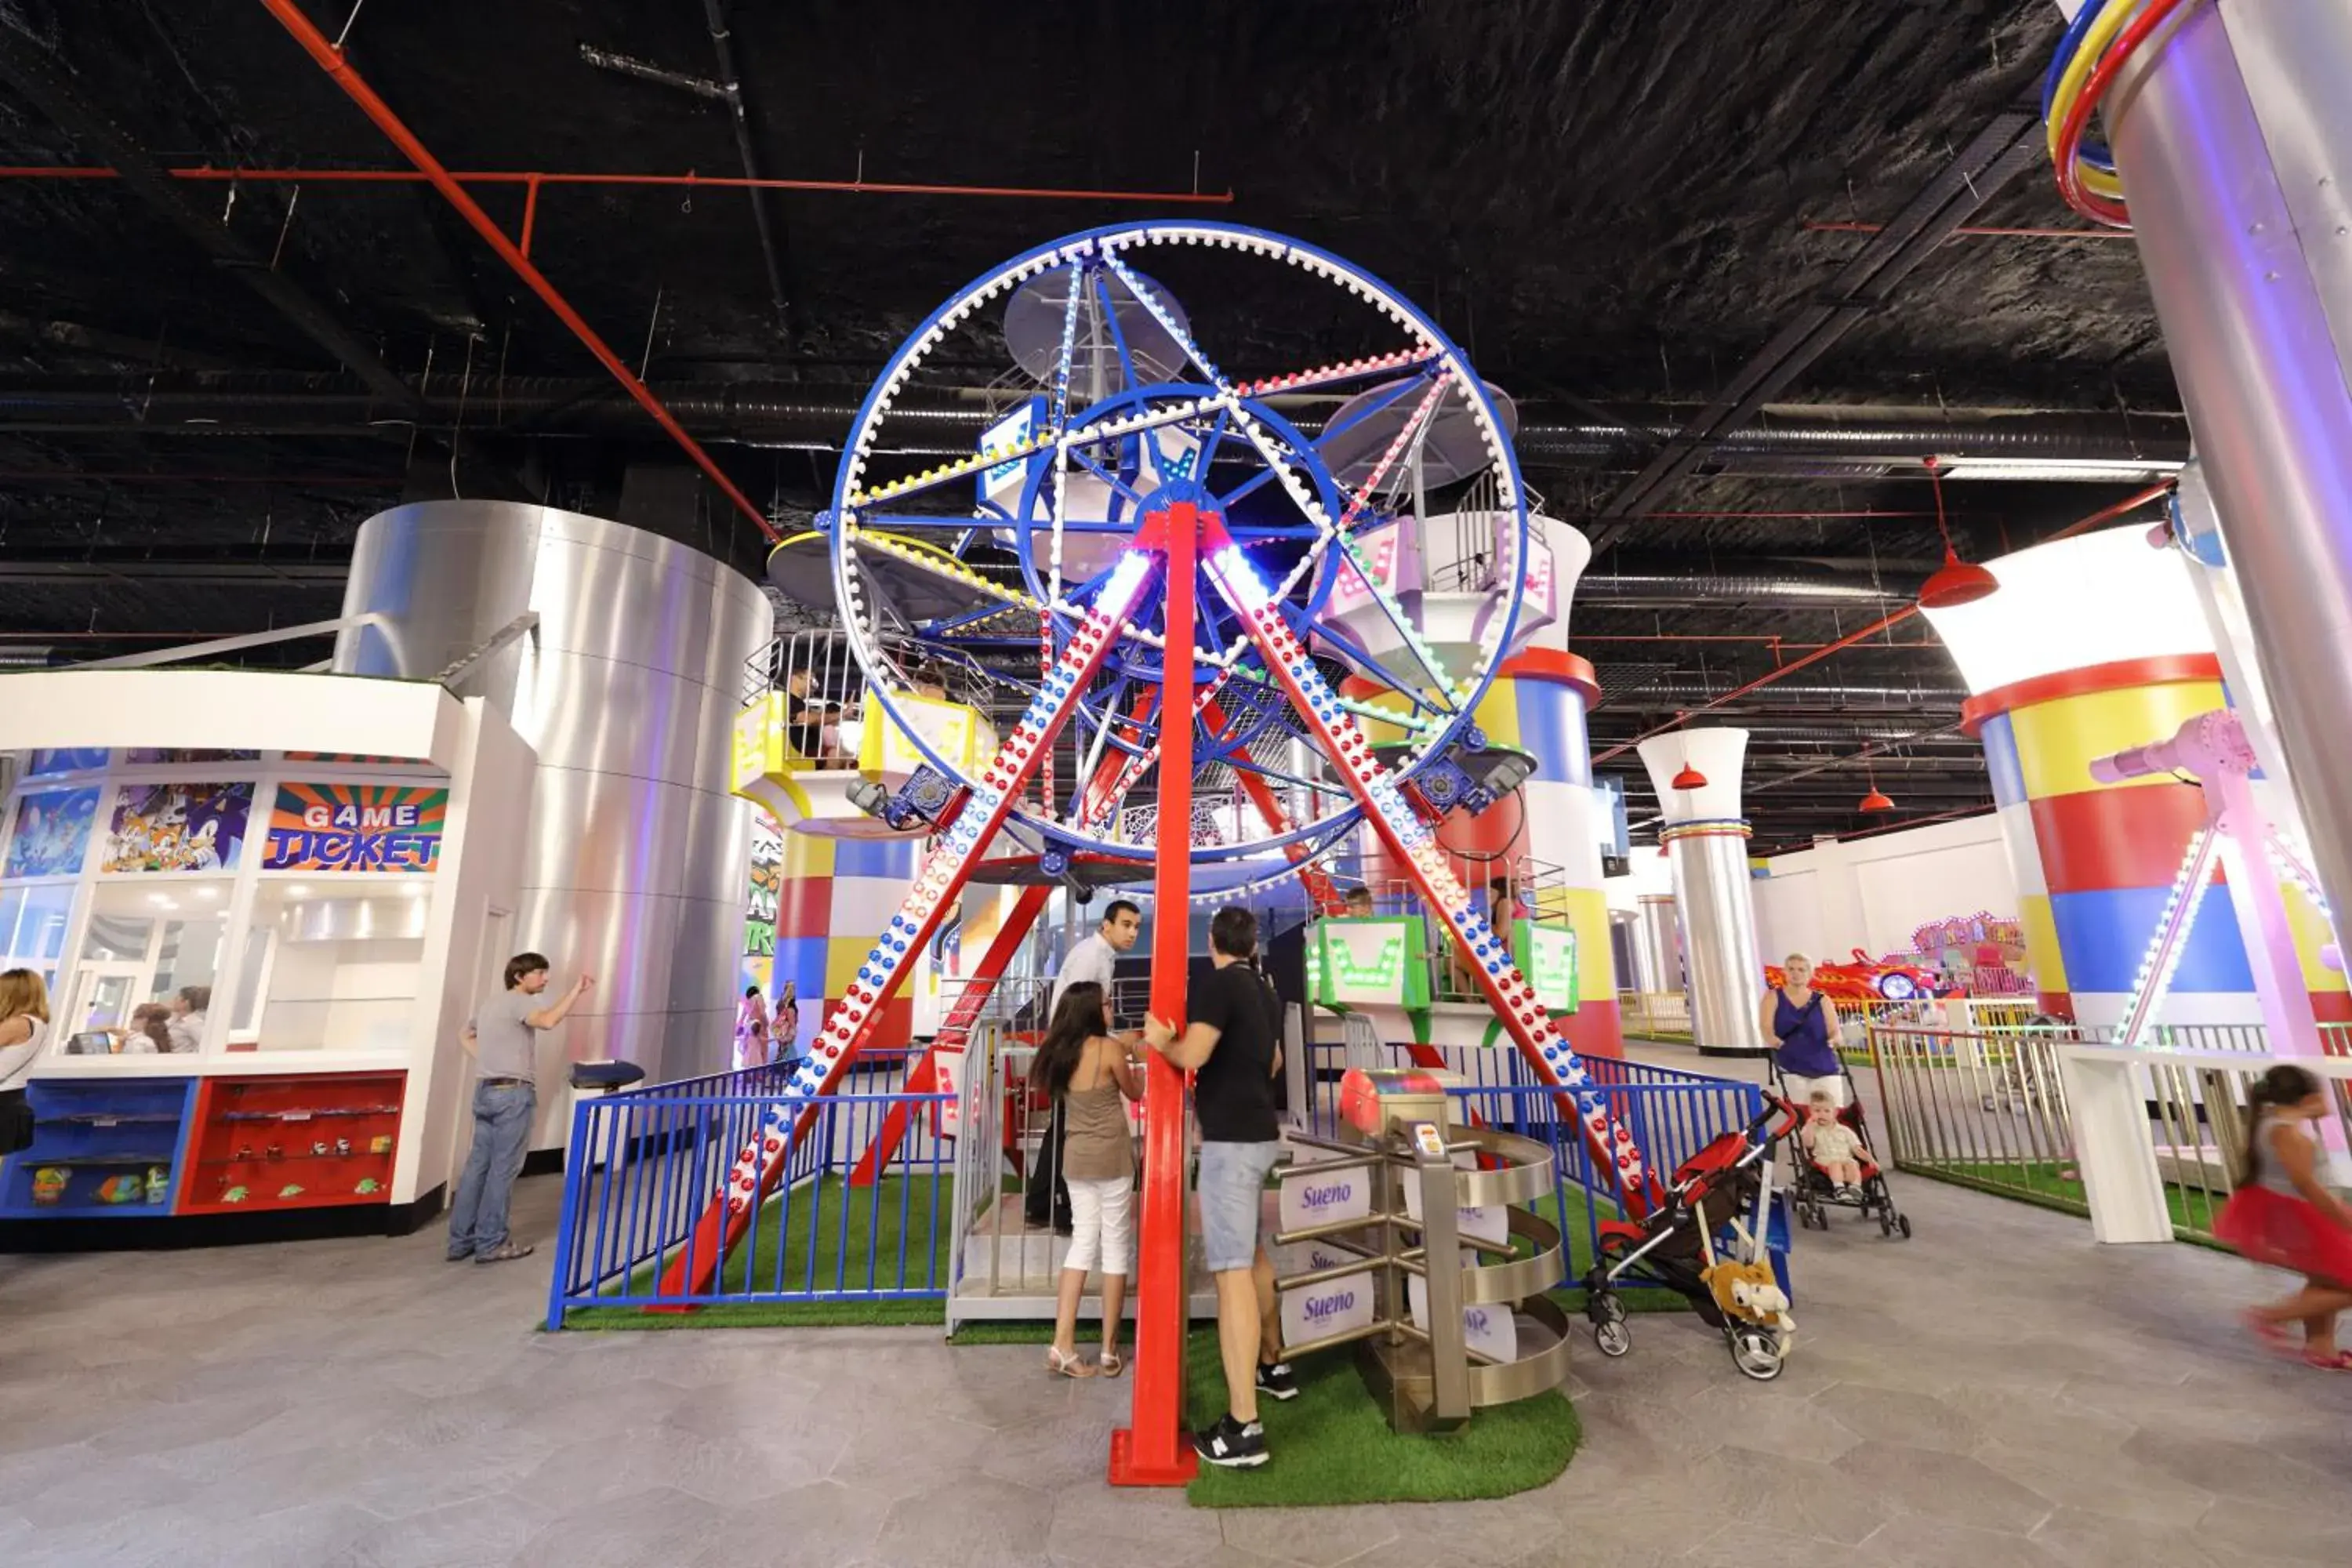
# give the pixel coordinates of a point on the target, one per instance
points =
(1089, 1073)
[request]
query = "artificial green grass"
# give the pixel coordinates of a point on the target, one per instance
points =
(2042, 1182)
(1332, 1444)
(853, 1241)
(891, 1312)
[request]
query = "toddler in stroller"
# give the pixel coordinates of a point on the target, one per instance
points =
(1835, 1167)
(1835, 1149)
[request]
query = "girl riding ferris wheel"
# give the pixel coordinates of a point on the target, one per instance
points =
(992, 561)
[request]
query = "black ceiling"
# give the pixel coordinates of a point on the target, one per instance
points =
(1614, 207)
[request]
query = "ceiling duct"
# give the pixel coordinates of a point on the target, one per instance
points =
(1668, 590)
(2109, 448)
(1797, 691)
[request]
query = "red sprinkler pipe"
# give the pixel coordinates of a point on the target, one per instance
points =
(1813, 226)
(535, 178)
(2104, 515)
(332, 62)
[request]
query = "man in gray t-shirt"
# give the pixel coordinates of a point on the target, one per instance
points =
(503, 1037)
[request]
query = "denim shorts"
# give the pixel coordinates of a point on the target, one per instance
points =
(1232, 1200)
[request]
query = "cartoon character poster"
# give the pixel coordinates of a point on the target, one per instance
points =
(767, 887)
(52, 833)
(154, 756)
(353, 759)
(356, 828)
(177, 828)
(76, 761)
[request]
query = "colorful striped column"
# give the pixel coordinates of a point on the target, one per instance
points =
(2095, 862)
(835, 899)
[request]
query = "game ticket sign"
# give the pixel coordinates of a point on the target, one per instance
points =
(356, 828)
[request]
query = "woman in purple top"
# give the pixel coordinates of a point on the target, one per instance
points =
(1804, 1022)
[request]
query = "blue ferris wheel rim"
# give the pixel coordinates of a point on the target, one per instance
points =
(1074, 247)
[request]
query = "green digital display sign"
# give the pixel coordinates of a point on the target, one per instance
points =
(1547, 956)
(1370, 962)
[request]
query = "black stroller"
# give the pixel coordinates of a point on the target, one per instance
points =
(1812, 1191)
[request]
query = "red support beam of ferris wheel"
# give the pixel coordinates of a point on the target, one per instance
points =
(1152, 1450)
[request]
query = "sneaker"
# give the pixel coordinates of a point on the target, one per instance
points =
(1231, 1445)
(457, 1257)
(1277, 1381)
(505, 1252)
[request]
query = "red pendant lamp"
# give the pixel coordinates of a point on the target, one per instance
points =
(1690, 778)
(1875, 800)
(1955, 582)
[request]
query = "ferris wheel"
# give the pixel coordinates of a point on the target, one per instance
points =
(1337, 553)
(1321, 480)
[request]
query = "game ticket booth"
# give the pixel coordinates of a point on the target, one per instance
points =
(263, 906)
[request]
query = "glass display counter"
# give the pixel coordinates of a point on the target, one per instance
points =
(266, 1142)
(106, 1148)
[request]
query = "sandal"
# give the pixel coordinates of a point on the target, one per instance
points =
(2272, 1336)
(1062, 1365)
(1111, 1364)
(2332, 1361)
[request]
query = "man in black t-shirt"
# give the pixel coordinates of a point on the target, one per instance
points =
(1230, 1047)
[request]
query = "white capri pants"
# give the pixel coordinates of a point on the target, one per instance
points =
(1802, 1091)
(1101, 1216)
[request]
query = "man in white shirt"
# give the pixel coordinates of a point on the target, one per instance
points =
(1094, 958)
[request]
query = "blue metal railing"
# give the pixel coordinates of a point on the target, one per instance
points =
(643, 1168)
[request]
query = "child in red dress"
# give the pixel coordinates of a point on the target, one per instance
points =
(2283, 1214)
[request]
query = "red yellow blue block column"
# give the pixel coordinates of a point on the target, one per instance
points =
(2095, 862)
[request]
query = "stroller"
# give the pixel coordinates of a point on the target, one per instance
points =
(1815, 1195)
(1725, 1187)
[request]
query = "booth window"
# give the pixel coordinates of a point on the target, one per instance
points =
(331, 965)
(144, 945)
(33, 921)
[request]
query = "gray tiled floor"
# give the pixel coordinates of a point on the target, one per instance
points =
(2000, 1391)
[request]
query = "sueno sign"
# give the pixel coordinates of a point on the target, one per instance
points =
(1334, 1306)
(1309, 1198)
(1489, 1330)
(1487, 1224)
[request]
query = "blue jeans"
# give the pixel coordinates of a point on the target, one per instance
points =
(502, 1118)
